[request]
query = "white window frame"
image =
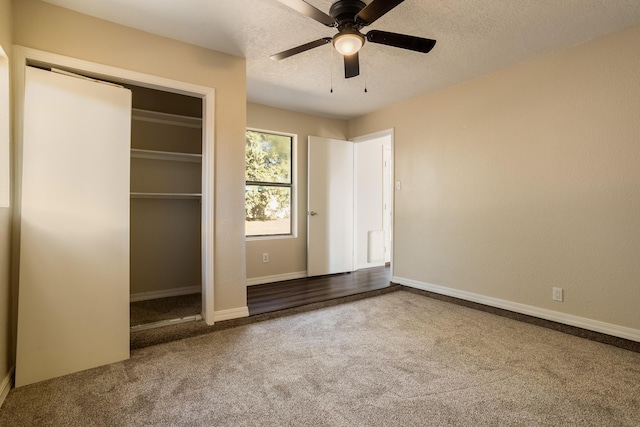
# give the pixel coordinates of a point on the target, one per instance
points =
(294, 187)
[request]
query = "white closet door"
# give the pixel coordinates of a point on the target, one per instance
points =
(73, 309)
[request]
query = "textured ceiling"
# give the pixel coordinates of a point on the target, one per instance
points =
(474, 37)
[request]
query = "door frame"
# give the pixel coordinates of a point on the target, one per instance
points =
(23, 56)
(376, 135)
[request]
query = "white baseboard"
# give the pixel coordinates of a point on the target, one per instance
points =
(5, 385)
(234, 313)
(370, 265)
(555, 316)
(143, 296)
(276, 278)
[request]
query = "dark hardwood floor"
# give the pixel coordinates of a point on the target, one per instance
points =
(294, 293)
(269, 297)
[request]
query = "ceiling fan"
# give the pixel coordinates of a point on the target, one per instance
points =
(349, 17)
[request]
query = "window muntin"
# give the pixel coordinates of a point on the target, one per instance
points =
(269, 184)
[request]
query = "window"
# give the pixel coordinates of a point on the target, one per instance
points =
(268, 192)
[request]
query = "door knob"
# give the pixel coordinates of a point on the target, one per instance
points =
(312, 213)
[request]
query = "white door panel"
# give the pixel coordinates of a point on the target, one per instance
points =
(368, 202)
(388, 202)
(73, 309)
(330, 207)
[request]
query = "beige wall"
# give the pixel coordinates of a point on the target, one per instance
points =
(288, 255)
(6, 352)
(526, 179)
(5, 26)
(50, 28)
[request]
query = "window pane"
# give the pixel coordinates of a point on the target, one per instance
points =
(268, 157)
(268, 210)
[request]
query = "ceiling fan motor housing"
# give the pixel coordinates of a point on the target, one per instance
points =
(345, 11)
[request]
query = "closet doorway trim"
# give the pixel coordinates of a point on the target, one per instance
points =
(24, 56)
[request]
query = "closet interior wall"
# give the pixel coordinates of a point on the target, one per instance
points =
(166, 186)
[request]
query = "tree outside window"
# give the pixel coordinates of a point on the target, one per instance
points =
(269, 184)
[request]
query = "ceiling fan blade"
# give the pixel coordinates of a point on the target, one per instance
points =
(375, 10)
(351, 66)
(306, 9)
(300, 49)
(402, 41)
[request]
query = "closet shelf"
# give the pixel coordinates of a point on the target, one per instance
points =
(138, 195)
(166, 155)
(166, 118)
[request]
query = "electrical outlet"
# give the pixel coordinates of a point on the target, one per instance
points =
(265, 257)
(558, 294)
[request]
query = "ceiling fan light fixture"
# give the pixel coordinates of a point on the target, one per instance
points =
(348, 43)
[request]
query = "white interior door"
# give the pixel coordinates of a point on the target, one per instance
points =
(73, 307)
(330, 207)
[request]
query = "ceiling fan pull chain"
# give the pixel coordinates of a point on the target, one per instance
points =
(364, 72)
(331, 66)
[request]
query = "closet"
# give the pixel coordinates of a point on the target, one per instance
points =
(166, 193)
(114, 210)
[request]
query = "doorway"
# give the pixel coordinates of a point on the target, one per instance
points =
(350, 203)
(355, 174)
(25, 56)
(39, 315)
(373, 200)
(165, 221)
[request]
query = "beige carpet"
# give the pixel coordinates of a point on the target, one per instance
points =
(398, 359)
